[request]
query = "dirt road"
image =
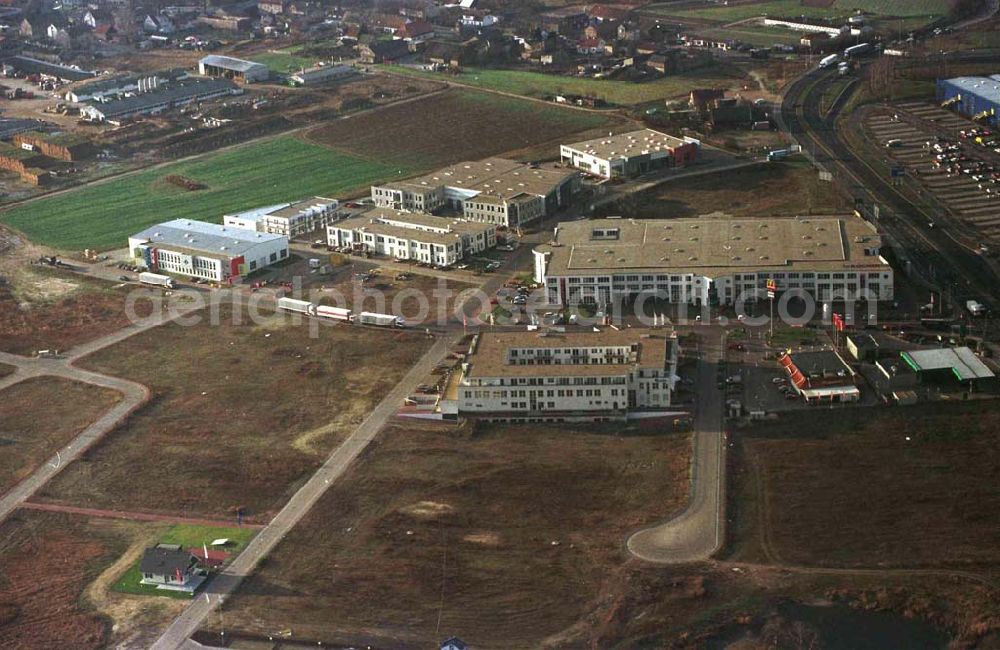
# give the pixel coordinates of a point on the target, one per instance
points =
(696, 533)
(132, 515)
(336, 465)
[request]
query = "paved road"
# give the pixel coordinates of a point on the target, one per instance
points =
(696, 533)
(335, 466)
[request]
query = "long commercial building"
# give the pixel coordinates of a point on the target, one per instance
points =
(630, 154)
(495, 190)
(289, 219)
(159, 99)
(205, 250)
(707, 261)
(975, 97)
(514, 375)
(416, 236)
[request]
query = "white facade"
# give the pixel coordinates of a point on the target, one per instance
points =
(288, 219)
(611, 372)
(208, 251)
(707, 262)
(412, 236)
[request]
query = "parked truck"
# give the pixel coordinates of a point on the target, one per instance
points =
(300, 306)
(156, 280)
(335, 313)
(380, 320)
(777, 154)
(827, 61)
(975, 307)
(858, 50)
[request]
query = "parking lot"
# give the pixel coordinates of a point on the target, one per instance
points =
(956, 160)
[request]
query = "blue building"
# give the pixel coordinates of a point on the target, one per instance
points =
(975, 97)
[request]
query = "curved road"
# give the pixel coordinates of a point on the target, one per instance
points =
(697, 533)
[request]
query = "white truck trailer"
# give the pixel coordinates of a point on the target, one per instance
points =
(975, 307)
(858, 50)
(300, 306)
(827, 61)
(380, 320)
(156, 280)
(335, 313)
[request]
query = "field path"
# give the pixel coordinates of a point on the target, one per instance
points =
(334, 468)
(133, 515)
(134, 395)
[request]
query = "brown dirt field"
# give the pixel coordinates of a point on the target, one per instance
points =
(512, 534)
(785, 189)
(927, 502)
(421, 134)
(46, 561)
(230, 402)
(39, 416)
(47, 309)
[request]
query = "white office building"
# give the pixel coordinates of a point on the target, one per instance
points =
(208, 251)
(517, 375)
(289, 219)
(416, 236)
(708, 261)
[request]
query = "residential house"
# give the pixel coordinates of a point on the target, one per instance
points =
(158, 24)
(383, 51)
(590, 46)
(417, 31)
(701, 98)
(657, 62)
(167, 566)
(105, 32)
(95, 17)
(272, 7)
(454, 643)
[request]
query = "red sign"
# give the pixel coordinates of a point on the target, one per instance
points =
(838, 322)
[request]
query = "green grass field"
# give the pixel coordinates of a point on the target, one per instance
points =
(283, 61)
(623, 93)
(103, 216)
(795, 8)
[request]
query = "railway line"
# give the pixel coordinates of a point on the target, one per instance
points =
(931, 257)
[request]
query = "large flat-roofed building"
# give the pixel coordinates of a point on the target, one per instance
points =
(975, 97)
(495, 190)
(709, 260)
(630, 154)
(289, 219)
(159, 99)
(441, 241)
(528, 374)
(216, 65)
(205, 250)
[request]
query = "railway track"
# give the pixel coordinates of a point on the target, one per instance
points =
(933, 257)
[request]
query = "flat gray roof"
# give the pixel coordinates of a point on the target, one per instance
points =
(961, 361)
(627, 145)
(710, 245)
(446, 230)
(204, 237)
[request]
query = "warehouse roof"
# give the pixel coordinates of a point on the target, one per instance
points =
(179, 92)
(709, 246)
(231, 63)
(122, 80)
(28, 64)
(985, 87)
(203, 237)
(320, 73)
(627, 145)
(490, 176)
(490, 358)
(961, 361)
(413, 225)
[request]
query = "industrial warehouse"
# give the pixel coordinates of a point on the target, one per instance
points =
(441, 241)
(154, 99)
(515, 375)
(289, 219)
(495, 190)
(974, 97)
(630, 154)
(708, 261)
(215, 65)
(205, 251)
